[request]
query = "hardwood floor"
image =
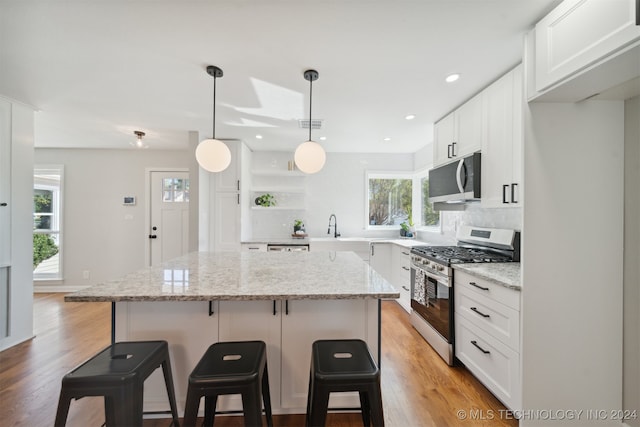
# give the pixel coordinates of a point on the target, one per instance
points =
(418, 388)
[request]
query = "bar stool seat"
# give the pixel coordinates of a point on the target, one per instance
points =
(118, 373)
(230, 368)
(343, 366)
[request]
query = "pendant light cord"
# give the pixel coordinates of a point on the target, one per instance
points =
(310, 103)
(214, 108)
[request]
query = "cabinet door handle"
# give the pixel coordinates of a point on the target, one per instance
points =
(513, 192)
(274, 308)
(372, 250)
(449, 151)
(3, 204)
(405, 268)
(405, 253)
(238, 198)
(211, 312)
(475, 343)
(238, 185)
(478, 286)
(474, 309)
(453, 149)
(504, 193)
(286, 307)
(406, 289)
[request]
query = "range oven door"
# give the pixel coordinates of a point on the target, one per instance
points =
(432, 299)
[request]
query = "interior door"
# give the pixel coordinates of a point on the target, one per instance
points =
(169, 222)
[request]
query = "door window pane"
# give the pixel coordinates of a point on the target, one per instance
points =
(175, 190)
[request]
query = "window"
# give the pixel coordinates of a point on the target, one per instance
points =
(47, 220)
(389, 200)
(429, 217)
(175, 190)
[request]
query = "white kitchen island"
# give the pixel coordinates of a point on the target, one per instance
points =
(286, 299)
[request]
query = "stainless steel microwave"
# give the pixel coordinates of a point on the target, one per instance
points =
(458, 181)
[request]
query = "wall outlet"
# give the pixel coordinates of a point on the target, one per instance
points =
(86, 274)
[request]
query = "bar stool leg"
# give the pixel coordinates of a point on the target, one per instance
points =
(210, 403)
(168, 381)
(319, 406)
(375, 401)
(266, 396)
(365, 409)
(252, 404)
(191, 408)
(63, 409)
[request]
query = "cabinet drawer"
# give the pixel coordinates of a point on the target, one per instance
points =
(262, 247)
(494, 364)
(498, 320)
(499, 293)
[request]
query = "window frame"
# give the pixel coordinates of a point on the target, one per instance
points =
(418, 202)
(57, 214)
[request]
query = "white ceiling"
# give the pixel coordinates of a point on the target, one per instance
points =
(98, 70)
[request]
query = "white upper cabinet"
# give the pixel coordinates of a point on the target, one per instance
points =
(459, 133)
(229, 179)
(502, 142)
(579, 33)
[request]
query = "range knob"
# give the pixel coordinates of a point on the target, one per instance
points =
(441, 268)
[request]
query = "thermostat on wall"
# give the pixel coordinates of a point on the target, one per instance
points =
(129, 200)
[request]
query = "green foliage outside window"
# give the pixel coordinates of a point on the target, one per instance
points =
(389, 201)
(44, 247)
(429, 216)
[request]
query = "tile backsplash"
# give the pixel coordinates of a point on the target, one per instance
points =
(475, 215)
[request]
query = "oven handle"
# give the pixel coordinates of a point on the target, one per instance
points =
(440, 279)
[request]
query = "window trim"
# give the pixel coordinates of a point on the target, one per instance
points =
(418, 202)
(59, 203)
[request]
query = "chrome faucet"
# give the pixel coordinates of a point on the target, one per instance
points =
(335, 226)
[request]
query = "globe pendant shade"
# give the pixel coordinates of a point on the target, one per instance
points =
(213, 155)
(310, 157)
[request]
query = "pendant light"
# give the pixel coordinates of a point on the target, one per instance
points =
(212, 154)
(310, 155)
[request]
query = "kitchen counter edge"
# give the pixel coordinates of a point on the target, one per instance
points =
(506, 274)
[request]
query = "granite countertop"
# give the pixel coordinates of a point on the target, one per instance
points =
(206, 276)
(506, 274)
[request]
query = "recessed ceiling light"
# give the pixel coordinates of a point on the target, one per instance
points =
(452, 78)
(386, 139)
(258, 136)
(410, 116)
(323, 138)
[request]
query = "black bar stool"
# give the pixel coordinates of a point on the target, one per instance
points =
(118, 373)
(339, 366)
(230, 368)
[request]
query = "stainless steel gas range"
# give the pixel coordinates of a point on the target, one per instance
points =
(432, 279)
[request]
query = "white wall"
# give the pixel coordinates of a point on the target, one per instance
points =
(99, 233)
(572, 259)
(338, 188)
(21, 205)
(631, 356)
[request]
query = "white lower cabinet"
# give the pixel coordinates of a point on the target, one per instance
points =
(251, 321)
(401, 275)
(306, 321)
(190, 328)
(185, 325)
(487, 335)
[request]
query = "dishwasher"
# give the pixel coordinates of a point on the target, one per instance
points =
(288, 248)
